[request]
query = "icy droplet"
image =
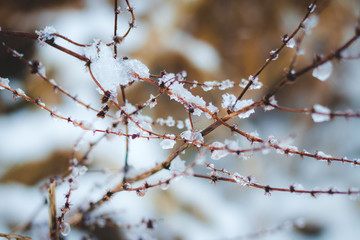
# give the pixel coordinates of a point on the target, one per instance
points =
(209, 85)
(255, 83)
(141, 192)
(323, 71)
(321, 113)
(65, 228)
(82, 170)
(164, 186)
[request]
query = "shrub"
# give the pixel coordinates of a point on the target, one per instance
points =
(133, 132)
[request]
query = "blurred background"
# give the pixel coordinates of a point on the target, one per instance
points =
(211, 40)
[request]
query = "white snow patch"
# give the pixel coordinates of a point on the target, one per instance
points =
(4, 82)
(111, 72)
(323, 72)
(321, 114)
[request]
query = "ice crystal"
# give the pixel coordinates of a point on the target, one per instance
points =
(255, 83)
(212, 109)
(182, 95)
(193, 137)
(65, 229)
(229, 101)
(209, 85)
(226, 84)
(242, 104)
(128, 108)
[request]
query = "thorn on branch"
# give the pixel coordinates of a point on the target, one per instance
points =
(312, 193)
(214, 178)
(108, 195)
(103, 112)
(166, 165)
(35, 65)
(163, 73)
(150, 224)
(290, 75)
(15, 94)
(267, 190)
(357, 28)
(117, 39)
(106, 97)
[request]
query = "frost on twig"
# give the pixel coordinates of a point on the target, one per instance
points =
(47, 34)
(4, 82)
(146, 146)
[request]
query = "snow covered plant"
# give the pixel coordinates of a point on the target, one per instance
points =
(133, 132)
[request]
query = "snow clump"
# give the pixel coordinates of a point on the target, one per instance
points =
(323, 72)
(229, 101)
(321, 113)
(111, 72)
